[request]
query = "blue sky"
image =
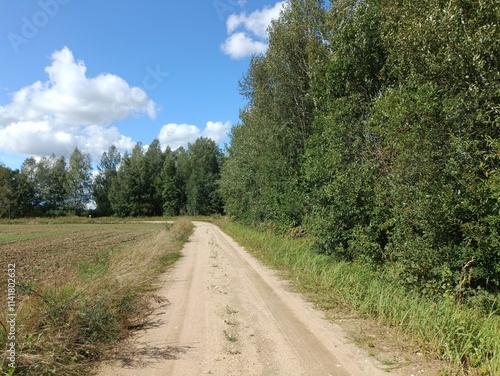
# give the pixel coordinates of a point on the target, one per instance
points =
(92, 73)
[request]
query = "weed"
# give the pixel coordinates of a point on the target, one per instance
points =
(97, 322)
(229, 337)
(388, 362)
(168, 259)
(231, 311)
(95, 268)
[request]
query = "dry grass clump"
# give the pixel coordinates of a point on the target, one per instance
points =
(63, 327)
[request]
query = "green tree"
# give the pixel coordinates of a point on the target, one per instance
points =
(5, 203)
(107, 172)
(277, 121)
(173, 194)
(183, 170)
(28, 170)
(126, 193)
(376, 126)
(78, 181)
(238, 183)
(202, 191)
(435, 125)
(338, 183)
(50, 184)
(151, 179)
(22, 195)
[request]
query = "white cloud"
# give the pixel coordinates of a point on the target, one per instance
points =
(256, 22)
(95, 140)
(217, 131)
(42, 138)
(239, 45)
(176, 135)
(70, 110)
(254, 39)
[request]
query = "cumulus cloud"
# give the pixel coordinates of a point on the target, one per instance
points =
(240, 45)
(253, 38)
(43, 138)
(256, 22)
(70, 110)
(177, 135)
(217, 131)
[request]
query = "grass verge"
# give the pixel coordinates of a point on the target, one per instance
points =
(465, 337)
(63, 328)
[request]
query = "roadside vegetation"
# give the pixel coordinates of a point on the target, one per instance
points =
(466, 337)
(81, 287)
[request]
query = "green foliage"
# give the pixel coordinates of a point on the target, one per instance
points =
(375, 127)
(238, 182)
(167, 183)
(50, 179)
(146, 182)
(261, 178)
(205, 160)
(108, 169)
(152, 180)
(22, 195)
(78, 182)
(173, 186)
(5, 175)
(340, 187)
(128, 194)
(98, 321)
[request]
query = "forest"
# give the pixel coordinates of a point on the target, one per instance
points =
(372, 126)
(146, 182)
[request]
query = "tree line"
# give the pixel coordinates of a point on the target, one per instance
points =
(374, 126)
(47, 187)
(148, 182)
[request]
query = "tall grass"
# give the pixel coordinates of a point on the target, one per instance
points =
(63, 329)
(466, 337)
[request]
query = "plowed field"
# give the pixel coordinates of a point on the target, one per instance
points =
(46, 253)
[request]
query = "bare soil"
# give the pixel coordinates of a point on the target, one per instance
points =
(221, 312)
(48, 254)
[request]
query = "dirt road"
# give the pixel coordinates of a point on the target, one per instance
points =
(229, 315)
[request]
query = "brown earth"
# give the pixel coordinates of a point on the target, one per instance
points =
(49, 254)
(226, 314)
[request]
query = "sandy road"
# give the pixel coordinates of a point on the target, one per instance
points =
(229, 315)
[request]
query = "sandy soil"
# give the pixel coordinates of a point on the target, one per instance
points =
(226, 314)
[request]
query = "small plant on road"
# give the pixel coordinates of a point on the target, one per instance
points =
(229, 337)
